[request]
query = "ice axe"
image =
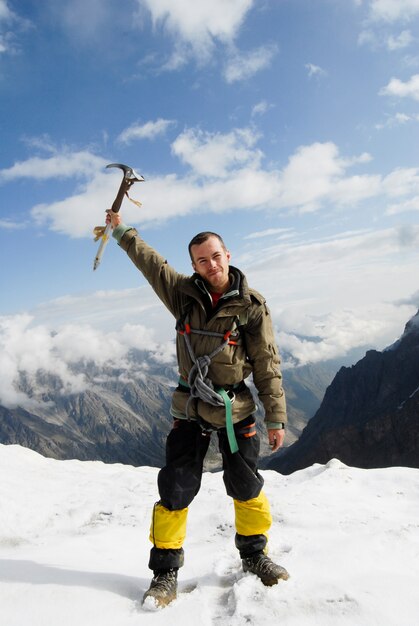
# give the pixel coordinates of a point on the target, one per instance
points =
(102, 232)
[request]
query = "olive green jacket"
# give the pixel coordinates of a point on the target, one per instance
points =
(243, 310)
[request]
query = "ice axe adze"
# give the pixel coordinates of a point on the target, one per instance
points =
(102, 232)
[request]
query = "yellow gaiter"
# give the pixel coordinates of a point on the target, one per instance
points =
(168, 528)
(253, 517)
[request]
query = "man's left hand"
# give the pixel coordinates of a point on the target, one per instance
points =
(276, 438)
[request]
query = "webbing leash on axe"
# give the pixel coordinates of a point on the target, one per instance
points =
(103, 232)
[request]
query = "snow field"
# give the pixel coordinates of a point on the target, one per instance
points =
(74, 547)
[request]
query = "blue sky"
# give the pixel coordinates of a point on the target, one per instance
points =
(289, 126)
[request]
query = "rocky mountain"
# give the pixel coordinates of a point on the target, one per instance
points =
(116, 422)
(369, 416)
(123, 415)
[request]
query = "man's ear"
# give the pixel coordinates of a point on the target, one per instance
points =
(228, 255)
(193, 266)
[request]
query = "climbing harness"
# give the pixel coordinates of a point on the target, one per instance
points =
(202, 387)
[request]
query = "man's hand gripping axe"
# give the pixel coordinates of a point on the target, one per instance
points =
(103, 232)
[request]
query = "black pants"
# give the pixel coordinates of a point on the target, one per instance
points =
(187, 444)
(179, 480)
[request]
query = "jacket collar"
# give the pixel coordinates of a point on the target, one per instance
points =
(238, 287)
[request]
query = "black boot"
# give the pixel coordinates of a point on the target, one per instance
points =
(163, 587)
(268, 571)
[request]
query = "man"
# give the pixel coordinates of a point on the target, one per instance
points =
(224, 334)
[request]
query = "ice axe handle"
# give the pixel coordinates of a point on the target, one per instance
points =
(130, 177)
(125, 185)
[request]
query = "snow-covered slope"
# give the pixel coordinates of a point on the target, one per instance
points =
(74, 548)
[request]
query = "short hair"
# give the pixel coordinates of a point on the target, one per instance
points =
(201, 238)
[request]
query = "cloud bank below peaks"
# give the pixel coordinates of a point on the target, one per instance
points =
(27, 349)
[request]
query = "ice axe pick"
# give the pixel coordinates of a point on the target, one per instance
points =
(102, 232)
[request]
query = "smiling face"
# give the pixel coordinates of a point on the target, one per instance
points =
(211, 260)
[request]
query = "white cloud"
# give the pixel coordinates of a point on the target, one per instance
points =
(68, 164)
(42, 143)
(308, 265)
(261, 108)
(8, 224)
(367, 37)
(335, 288)
(168, 195)
(97, 190)
(241, 66)
(397, 120)
(100, 309)
(296, 288)
(226, 174)
(393, 10)
(412, 300)
(402, 207)
(269, 232)
(179, 57)
(411, 60)
(398, 88)
(332, 288)
(69, 215)
(217, 154)
(88, 23)
(401, 182)
(149, 130)
(403, 40)
(316, 166)
(378, 39)
(27, 348)
(315, 70)
(322, 252)
(10, 25)
(352, 190)
(199, 25)
(336, 334)
(315, 174)
(6, 14)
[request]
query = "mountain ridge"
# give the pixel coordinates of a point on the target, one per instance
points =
(123, 414)
(369, 415)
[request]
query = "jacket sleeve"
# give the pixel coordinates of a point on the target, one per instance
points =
(263, 355)
(162, 277)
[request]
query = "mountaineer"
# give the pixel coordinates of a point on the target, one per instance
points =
(224, 334)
